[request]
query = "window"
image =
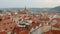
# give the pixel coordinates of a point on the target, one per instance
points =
(7, 23)
(8, 18)
(0, 19)
(6, 29)
(10, 27)
(19, 19)
(4, 24)
(11, 22)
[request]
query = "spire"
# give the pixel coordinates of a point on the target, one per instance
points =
(25, 8)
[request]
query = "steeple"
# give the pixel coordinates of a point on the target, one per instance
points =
(25, 8)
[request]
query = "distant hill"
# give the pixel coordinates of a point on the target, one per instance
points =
(56, 8)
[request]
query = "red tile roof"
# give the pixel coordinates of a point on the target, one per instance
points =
(7, 25)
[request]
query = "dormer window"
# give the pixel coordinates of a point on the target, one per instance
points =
(19, 19)
(6, 29)
(0, 19)
(10, 27)
(11, 22)
(33, 22)
(4, 23)
(8, 17)
(7, 23)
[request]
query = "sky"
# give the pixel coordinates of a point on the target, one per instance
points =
(29, 3)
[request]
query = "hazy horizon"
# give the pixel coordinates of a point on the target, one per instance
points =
(29, 3)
